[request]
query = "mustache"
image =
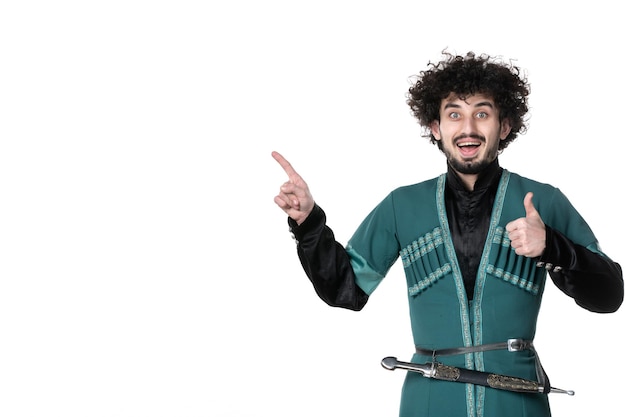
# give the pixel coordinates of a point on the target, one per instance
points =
(471, 135)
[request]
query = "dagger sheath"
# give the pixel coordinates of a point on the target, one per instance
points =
(451, 373)
(508, 383)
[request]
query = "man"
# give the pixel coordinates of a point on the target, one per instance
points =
(476, 244)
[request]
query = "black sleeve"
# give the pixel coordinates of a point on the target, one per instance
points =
(326, 262)
(593, 280)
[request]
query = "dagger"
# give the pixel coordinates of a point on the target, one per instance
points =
(443, 372)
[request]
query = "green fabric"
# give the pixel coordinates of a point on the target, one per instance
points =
(411, 224)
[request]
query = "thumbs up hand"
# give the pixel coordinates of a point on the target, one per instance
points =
(528, 234)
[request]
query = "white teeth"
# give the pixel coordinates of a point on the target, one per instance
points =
(461, 145)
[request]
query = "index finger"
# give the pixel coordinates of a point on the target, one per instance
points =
(284, 164)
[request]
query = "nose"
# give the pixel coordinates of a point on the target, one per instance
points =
(469, 125)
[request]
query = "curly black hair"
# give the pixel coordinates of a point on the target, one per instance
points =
(467, 75)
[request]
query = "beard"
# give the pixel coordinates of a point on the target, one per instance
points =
(474, 166)
(469, 167)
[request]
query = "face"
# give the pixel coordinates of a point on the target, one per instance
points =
(469, 132)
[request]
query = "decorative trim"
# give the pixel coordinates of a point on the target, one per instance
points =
(420, 247)
(430, 279)
(530, 286)
(460, 288)
(481, 277)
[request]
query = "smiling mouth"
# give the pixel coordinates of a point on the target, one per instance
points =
(469, 147)
(469, 144)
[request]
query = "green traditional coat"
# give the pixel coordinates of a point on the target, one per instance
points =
(411, 223)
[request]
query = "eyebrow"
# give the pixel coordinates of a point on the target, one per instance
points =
(479, 104)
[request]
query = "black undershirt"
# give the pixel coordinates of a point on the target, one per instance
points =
(469, 214)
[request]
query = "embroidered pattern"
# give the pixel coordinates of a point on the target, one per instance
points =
(430, 279)
(421, 247)
(510, 267)
(514, 279)
(425, 260)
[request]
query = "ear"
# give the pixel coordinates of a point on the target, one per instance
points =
(505, 129)
(434, 129)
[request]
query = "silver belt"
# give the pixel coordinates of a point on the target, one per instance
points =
(512, 345)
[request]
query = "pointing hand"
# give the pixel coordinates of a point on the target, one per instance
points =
(294, 197)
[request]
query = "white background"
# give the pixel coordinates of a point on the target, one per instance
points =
(144, 268)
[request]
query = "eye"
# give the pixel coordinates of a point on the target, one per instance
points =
(454, 115)
(481, 115)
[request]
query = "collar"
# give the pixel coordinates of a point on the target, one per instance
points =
(486, 177)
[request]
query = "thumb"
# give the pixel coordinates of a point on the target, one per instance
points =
(529, 206)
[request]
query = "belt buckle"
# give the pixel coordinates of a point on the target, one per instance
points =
(515, 345)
